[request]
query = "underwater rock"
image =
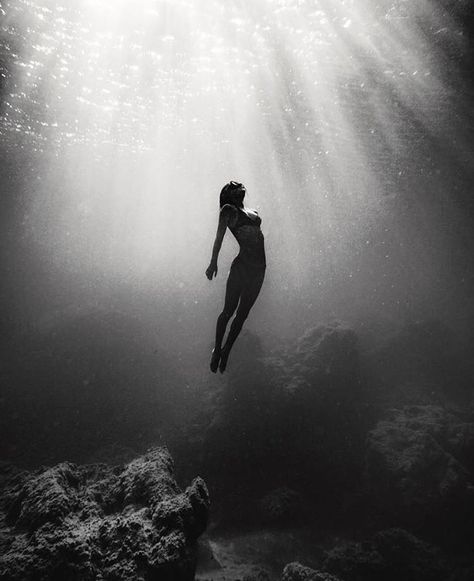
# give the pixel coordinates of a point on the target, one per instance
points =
(297, 572)
(389, 555)
(295, 418)
(328, 351)
(415, 462)
(98, 522)
(323, 366)
(47, 497)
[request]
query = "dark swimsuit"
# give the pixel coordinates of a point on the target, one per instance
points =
(248, 267)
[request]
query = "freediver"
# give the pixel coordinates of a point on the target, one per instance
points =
(246, 272)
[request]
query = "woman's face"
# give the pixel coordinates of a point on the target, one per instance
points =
(237, 195)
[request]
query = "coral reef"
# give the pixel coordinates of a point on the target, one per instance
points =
(96, 522)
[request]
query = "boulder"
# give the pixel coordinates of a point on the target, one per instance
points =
(94, 522)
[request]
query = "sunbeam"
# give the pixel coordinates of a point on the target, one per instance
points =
(327, 111)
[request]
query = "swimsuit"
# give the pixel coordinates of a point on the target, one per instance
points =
(248, 267)
(247, 232)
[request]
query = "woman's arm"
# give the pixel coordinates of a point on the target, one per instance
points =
(225, 217)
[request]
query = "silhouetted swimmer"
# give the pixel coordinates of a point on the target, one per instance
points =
(246, 272)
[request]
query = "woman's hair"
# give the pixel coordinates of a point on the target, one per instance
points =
(224, 198)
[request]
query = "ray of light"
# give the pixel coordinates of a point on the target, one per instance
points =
(143, 110)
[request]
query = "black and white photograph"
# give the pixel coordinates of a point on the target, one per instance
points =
(237, 290)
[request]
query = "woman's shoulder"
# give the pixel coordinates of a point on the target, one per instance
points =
(228, 208)
(229, 212)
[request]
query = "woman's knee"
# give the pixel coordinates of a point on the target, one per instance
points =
(226, 314)
(242, 314)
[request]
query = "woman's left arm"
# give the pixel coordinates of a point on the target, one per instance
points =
(221, 228)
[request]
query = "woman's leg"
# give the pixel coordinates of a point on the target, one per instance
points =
(248, 297)
(232, 295)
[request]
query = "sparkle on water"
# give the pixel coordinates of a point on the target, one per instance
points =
(143, 110)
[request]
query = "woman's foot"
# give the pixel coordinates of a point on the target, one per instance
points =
(216, 355)
(224, 356)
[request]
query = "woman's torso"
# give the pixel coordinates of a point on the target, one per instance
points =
(245, 227)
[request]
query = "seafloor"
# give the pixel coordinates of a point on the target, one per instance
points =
(326, 460)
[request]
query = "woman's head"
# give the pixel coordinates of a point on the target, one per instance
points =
(232, 193)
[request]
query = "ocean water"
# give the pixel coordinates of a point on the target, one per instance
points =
(350, 124)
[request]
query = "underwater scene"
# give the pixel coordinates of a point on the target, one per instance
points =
(237, 290)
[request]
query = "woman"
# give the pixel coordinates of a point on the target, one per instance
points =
(246, 273)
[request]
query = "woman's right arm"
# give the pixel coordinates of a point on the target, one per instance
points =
(225, 217)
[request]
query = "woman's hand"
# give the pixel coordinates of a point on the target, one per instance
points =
(211, 270)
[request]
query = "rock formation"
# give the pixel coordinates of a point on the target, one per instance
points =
(294, 417)
(95, 522)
